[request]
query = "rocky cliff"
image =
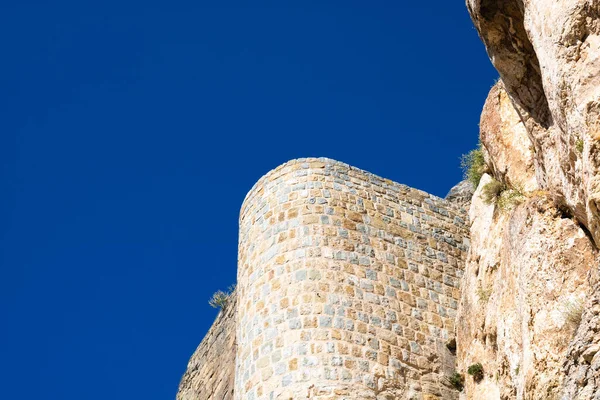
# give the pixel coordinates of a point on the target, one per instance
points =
(529, 308)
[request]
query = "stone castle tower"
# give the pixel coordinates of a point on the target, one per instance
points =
(348, 286)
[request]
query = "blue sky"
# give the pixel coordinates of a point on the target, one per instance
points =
(131, 132)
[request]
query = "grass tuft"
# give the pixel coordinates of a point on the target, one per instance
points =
(473, 165)
(484, 294)
(579, 145)
(511, 198)
(504, 196)
(220, 298)
(491, 191)
(573, 312)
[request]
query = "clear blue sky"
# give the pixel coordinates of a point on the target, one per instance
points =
(132, 130)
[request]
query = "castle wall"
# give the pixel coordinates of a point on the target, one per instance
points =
(211, 369)
(348, 286)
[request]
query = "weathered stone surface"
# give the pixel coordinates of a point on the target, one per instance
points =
(461, 193)
(525, 267)
(548, 55)
(348, 286)
(535, 263)
(581, 366)
(211, 370)
(507, 148)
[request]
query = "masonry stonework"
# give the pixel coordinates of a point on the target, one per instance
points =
(348, 286)
(211, 370)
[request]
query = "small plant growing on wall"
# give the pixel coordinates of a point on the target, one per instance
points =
(484, 294)
(473, 165)
(511, 197)
(491, 191)
(457, 381)
(504, 196)
(220, 298)
(476, 371)
(573, 311)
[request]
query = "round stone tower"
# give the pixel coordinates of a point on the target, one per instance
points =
(347, 286)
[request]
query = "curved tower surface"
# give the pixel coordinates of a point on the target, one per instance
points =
(348, 286)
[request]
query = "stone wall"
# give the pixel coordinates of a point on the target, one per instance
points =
(347, 286)
(210, 372)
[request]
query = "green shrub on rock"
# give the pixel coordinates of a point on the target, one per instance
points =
(476, 371)
(473, 165)
(491, 191)
(457, 381)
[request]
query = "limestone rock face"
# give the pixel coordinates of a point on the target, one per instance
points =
(507, 148)
(582, 363)
(529, 310)
(525, 279)
(548, 55)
